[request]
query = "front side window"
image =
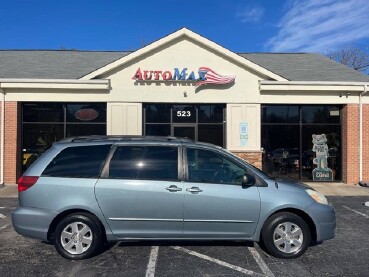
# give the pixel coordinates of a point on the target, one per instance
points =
(144, 163)
(78, 162)
(206, 166)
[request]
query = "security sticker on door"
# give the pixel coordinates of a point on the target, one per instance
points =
(244, 134)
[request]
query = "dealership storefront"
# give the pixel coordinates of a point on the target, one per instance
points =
(294, 115)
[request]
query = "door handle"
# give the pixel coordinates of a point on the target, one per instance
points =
(173, 188)
(194, 190)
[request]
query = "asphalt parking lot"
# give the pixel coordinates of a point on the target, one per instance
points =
(346, 255)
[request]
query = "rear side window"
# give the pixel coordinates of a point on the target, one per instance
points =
(144, 163)
(78, 162)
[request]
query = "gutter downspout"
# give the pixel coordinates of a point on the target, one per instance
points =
(2, 145)
(361, 134)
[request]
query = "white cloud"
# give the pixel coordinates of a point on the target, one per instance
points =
(321, 25)
(250, 14)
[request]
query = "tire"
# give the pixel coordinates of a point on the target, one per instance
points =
(78, 236)
(285, 235)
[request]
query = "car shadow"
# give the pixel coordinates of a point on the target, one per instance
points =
(184, 243)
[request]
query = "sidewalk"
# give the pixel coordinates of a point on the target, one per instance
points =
(328, 189)
(339, 189)
(9, 191)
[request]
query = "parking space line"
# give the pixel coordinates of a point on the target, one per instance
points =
(150, 271)
(2, 216)
(364, 215)
(263, 266)
(219, 262)
(3, 227)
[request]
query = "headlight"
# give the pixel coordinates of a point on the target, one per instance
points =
(318, 197)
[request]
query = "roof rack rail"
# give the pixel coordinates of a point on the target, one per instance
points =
(122, 138)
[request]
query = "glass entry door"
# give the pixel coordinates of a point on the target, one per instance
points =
(201, 122)
(186, 131)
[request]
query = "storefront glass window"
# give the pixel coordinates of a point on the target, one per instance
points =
(280, 114)
(43, 112)
(304, 146)
(211, 113)
(332, 140)
(201, 122)
(86, 113)
(184, 113)
(211, 133)
(320, 114)
(157, 113)
(282, 150)
(45, 123)
(157, 130)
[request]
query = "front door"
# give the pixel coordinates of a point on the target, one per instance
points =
(141, 195)
(216, 205)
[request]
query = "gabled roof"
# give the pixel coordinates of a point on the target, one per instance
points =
(54, 64)
(184, 33)
(306, 67)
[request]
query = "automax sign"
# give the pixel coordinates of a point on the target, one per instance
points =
(203, 76)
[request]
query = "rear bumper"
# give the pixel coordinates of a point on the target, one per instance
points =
(324, 217)
(32, 222)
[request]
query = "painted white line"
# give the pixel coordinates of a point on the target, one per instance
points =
(3, 227)
(364, 215)
(367, 204)
(219, 262)
(266, 270)
(2, 216)
(150, 271)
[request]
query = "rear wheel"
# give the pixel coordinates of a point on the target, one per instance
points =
(78, 236)
(286, 235)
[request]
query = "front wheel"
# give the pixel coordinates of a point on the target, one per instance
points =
(78, 236)
(286, 235)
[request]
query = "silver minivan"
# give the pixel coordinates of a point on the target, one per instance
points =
(86, 191)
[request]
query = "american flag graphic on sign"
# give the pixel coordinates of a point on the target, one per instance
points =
(211, 77)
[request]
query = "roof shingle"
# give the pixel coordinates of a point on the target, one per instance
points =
(67, 64)
(306, 67)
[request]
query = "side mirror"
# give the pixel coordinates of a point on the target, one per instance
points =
(248, 180)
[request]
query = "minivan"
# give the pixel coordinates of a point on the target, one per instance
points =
(86, 191)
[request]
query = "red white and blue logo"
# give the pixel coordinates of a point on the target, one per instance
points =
(211, 77)
(203, 76)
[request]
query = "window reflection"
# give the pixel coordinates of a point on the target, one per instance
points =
(202, 122)
(144, 163)
(43, 112)
(45, 123)
(320, 114)
(287, 139)
(157, 113)
(211, 113)
(280, 114)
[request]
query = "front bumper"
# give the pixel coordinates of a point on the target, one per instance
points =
(32, 222)
(324, 217)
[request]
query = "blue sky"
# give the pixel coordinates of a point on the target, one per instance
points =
(239, 25)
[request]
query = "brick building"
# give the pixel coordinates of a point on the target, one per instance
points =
(299, 115)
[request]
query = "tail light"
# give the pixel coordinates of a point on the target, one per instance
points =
(25, 182)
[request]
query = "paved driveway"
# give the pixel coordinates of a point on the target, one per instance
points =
(346, 255)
